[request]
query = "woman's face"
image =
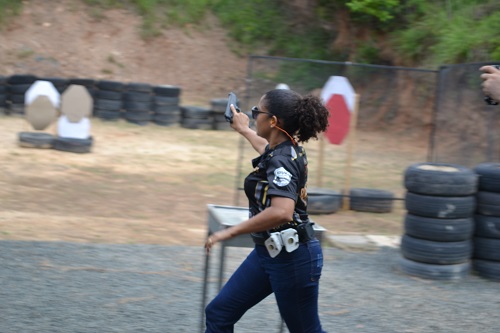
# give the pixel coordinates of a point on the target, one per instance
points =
(262, 122)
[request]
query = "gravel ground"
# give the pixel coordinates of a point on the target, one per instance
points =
(66, 287)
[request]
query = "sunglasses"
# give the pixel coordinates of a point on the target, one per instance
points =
(256, 111)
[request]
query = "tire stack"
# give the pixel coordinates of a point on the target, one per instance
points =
(108, 100)
(196, 117)
(137, 103)
(17, 85)
(486, 259)
(166, 105)
(218, 107)
(3, 94)
(439, 224)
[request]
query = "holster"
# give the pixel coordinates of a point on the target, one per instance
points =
(305, 232)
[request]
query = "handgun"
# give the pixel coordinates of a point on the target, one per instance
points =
(232, 99)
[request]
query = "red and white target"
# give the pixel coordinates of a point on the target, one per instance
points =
(339, 98)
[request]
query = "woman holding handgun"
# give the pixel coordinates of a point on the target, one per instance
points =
(287, 259)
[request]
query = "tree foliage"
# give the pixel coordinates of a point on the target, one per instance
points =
(383, 10)
(411, 32)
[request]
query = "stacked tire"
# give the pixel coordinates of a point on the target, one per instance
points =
(439, 223)
(196, 117)
(218, 107)
(166, 105)
(137, 100)
(3, 95)
(17, 85)
(486, 258)
(108, 100)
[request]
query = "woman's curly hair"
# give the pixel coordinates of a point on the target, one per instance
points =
(301, 117)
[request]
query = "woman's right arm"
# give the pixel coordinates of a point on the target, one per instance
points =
(241, 124)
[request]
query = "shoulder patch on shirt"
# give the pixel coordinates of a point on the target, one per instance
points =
(282, 177)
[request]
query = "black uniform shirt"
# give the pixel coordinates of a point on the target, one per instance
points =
(282, 172)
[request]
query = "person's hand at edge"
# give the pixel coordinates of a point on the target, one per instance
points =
(491, 82)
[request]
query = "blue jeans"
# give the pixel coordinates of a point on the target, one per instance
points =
(292, 277)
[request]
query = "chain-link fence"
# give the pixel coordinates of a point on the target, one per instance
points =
(466, 129)
(409, 115)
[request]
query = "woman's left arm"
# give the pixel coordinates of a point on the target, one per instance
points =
(280, 211)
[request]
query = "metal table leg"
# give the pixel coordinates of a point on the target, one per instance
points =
(204, 292)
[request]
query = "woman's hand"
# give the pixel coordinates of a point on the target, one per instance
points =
(491, 83)
(218, 236)
(241, 121)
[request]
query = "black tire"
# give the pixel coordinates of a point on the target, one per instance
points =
(22, 79)
(193, 123)
(370, 200)
(107, 114)
(137, 106)
(79, 146)
(17, 98)
(109, 95)
(137, 97)
(487, 226)
(167, 91)
(139, 87)
(432, 252)
(162, 100)
(3, 90)
(3, 101)
(220, 122)
(451, 272)
(108, 104)
(487, 269)
(222, 126)
(440, 179)
(35, 140)
(441, 230)
(487, 248)
(440, 207)
(18, 89)
(137, 118)
(166, 120)
(488, 203)
(219, 117)
(219, 104)
(323, 201)
(167, 109)
(109, 85)
(89, 83)
(196, 112)
(489, 176)
(174, 118)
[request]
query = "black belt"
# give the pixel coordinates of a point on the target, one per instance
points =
(304, 230)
